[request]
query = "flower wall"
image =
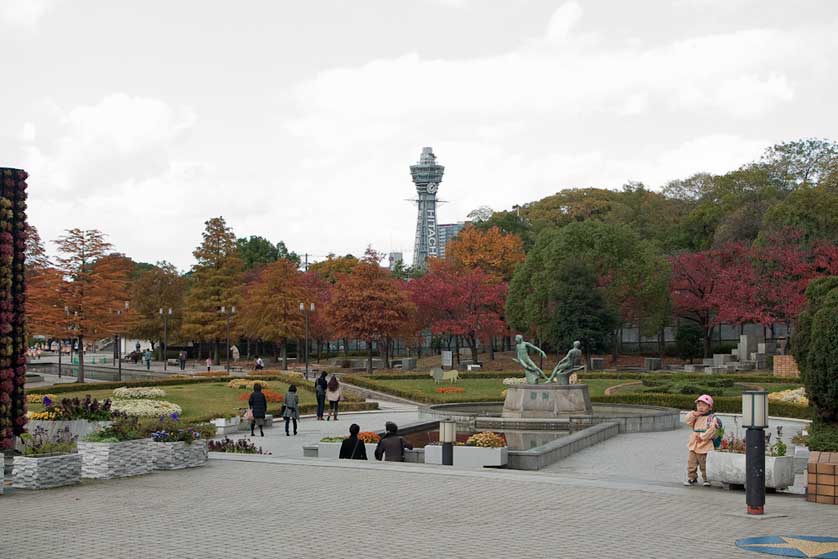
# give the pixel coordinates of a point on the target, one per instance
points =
(12, 299)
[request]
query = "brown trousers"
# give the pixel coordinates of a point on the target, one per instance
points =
(694, 461)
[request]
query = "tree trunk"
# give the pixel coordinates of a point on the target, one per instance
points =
(319, 347)
(386, 352)
(284, 354)
(661, 343)
(708, 334)
(492, 348)
(457, 348)
(346, 347)
(216, 359)
(369, 357)
(248, 348)
(472, 342)
(81, 359)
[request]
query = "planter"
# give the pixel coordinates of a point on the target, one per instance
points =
(226, 426)
(43, 472)
(469, 455)
(78, 427)
(122, 459)
(178, 455)
(332, 450)
(729, 467)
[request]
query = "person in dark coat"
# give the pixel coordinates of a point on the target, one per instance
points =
(258, 404)
(391, 446)
(290, 411)
(320, 393)
(353, 448)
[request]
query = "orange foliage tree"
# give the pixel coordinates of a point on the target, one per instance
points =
(318, 291)
(369, 304)
(270, 309)
(493, 251)
(44, 307)
(95, 286)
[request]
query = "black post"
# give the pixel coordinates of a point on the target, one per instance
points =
(60, 348)
(228, 344)
(306, 349)
(165, 341)
(447, 454)
(755, 470)
(119, 358)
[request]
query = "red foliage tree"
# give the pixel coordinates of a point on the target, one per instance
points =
(461, 302)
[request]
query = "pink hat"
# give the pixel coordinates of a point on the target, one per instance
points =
(706, 398)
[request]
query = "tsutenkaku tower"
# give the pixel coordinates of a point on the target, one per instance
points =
(426, 176)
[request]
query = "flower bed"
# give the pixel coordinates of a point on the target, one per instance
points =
(145, 408)
(138, 392)
(795, 396)
(271, 396)
(450, 389)
(240, 446)
(486, 440)
(247, 384)
(514, 380)
(39, 398)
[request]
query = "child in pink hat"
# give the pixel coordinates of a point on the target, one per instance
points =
(704, 425)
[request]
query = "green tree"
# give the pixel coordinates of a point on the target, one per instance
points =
(214, 284)
(155, 288)
(801, 162)
(811, 210)
(255, 251)
(688, 341)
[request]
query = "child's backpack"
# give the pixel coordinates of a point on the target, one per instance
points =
(720, 431)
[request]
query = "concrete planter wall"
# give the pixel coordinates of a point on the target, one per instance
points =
(178, 455)
(43, 472)
(122, 459)
(226, 426)
(332, 450)
(729, 467)
(469, 456)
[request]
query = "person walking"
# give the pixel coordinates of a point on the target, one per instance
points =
(290, 409)
(353, 448)
(391, 446)
(333, 394)
(181, 357)
(147, 358)
(320, 394)
(209, 364)
(259, 363)
(258, 405)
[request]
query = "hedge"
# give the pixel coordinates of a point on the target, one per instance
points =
(605, 375)
(823, 437)
(413, 395)
(306, 409)
(725, 404)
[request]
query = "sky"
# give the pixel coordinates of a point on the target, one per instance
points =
(298, 121)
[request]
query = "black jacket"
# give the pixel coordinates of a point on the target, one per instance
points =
(320, 386)
(259, 404)
(353, 449)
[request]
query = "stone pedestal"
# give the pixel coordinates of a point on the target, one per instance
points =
(546, 400)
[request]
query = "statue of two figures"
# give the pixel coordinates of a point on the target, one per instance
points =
(561, 372)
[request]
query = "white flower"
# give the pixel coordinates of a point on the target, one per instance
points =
(145, 408)
(138, 392)
(514, 380)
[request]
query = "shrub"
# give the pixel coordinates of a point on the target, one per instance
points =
(40, 443)
(240, 446)
(726, 404)
(689, 341)
(823, 437)
(486, 440)
(87, 408)
(122, 428)
(368, 437)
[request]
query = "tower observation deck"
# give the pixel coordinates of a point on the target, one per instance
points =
(426, 176)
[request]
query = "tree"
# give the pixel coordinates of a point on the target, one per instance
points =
(255, 251)
(270, 308)
(478, 215)
(333, 267)
(461, 302)
(688, 341)
(282, 252)
(319, 292)
(492, 251)
(44, 307)
(214, 284)
(95, 287)
(810, 210)
(815, 347)
(369, 304)
(801, 162)
(160, 287)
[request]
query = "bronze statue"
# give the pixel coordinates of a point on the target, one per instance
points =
(568, 365)
(533, 373)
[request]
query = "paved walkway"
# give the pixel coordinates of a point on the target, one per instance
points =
(307, 509)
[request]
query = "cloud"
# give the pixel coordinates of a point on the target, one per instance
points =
(562, 21)
(25, 14)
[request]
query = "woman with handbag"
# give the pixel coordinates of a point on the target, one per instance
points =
(333, 394)
(290, 411)
(258, 407)
(353, 448)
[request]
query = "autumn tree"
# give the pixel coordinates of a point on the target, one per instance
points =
(461, 302)
(96, 284)
(369, 304)
(319, 292)
(270, 308)
(492, 251)
(44, 306)
(214, 284)
(155, 288)
(333, 267)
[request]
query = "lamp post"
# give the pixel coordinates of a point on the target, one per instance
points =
(165, 316)
(229, 314)
(755, 420)
(119, 343)
(306, 311)
(447, 436)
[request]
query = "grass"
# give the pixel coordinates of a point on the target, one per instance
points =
(476, 390)
(198, 400)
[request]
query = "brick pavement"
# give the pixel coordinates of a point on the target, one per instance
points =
(299, 508)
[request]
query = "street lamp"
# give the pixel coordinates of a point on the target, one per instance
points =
(755, 420)
(70, 328)
(447, 436)
(119, 342)
(166, 335)
(229, 314)
(306, 312)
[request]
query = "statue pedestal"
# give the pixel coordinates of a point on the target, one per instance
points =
(546, 400)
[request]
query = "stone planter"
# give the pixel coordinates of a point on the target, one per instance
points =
(225, 426)
(729, 467)
(122, 459)
(43, 472)
(332, 450)
(469, 455)
(178, 455)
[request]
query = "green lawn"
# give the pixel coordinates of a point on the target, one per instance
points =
(475, 389)
(198, 401)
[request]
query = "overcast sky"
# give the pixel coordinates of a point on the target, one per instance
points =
(298, 121)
